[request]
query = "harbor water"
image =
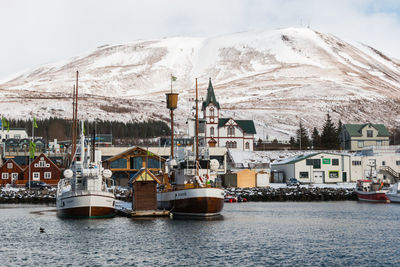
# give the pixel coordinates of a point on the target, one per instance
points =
(248, 234)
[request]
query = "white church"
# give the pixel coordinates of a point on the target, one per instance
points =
(224, 132)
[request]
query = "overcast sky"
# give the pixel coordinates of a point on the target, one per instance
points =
(42, 31)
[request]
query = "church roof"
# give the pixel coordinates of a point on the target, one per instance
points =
(210, 97)
(246, 125)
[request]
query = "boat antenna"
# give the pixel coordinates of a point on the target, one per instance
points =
(197, 131)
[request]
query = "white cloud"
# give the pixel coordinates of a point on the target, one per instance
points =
(42, 31)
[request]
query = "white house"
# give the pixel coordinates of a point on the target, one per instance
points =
(381, 162)
(225, 132)
(315, 168)
(15, 133)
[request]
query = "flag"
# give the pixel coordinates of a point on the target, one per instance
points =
(173, 78)
(5, 124)
(32, 148)
(34, 122)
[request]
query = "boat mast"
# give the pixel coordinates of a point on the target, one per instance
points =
(74, 118)
(197, 132)
(172, 103)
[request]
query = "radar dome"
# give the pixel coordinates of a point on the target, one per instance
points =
(214, 165)
(68, 173)
(107, 173)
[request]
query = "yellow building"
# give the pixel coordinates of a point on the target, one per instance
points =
(242, 179)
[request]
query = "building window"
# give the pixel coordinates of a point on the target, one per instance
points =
(212, 131)
(379, 143)
(317, 164)
(231, 130)
(36, 176)
(47, 175)
(14, 176)
(119, 163)
(356, 162)
(398, 162)
(229, 144)
(212, 112)
(360, 143)
(383, 163)
(42, 164)
(333, 174)
(9, 165)
(335, 162)
(370, 133)
(4, 175)
(247, 145)
(303, 175)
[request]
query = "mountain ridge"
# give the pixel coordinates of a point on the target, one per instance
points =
(275, 77)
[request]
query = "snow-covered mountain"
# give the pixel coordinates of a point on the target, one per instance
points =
(275, 77)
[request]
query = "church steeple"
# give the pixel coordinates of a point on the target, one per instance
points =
(210, 97)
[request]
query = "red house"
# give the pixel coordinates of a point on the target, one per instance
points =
(10, 172)
(43, 169)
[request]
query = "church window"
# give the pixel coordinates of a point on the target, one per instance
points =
(231, 131)
(212, 131)
(247, 145)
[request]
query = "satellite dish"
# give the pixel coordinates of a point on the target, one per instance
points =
(107, 173)
(68, 173)
(214, 165)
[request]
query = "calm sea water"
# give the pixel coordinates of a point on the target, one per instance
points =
(249, 234)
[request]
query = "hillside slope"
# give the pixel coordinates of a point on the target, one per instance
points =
(275, 77)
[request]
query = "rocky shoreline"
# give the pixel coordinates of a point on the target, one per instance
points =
(44, 196)
(35, 196)
(292, 194)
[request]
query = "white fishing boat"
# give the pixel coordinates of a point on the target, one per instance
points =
(83, 192)
(394, 193)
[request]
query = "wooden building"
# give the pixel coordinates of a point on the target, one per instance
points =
(43, 169)
(144, 185)
(10, 172)
(242, 179)
(126, 164)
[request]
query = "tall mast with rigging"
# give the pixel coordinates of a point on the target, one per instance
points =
(197, 132)
(74, 117)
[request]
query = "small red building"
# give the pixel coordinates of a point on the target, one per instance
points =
(43, 169)
(10, 172)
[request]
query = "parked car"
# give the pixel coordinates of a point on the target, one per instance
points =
(38, 185)
(292, 181)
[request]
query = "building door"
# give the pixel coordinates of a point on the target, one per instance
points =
(318, 177)
(344, 176)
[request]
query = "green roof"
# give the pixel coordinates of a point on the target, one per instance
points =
(354, 130)
(246, 125)
(210, 97)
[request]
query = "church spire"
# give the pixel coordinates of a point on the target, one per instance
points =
(210, 97)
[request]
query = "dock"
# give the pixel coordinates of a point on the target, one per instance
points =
(150, 213)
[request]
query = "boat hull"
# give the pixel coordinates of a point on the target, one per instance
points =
(84, 204)
(378, 196)
(199, 202)
(394, 198)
